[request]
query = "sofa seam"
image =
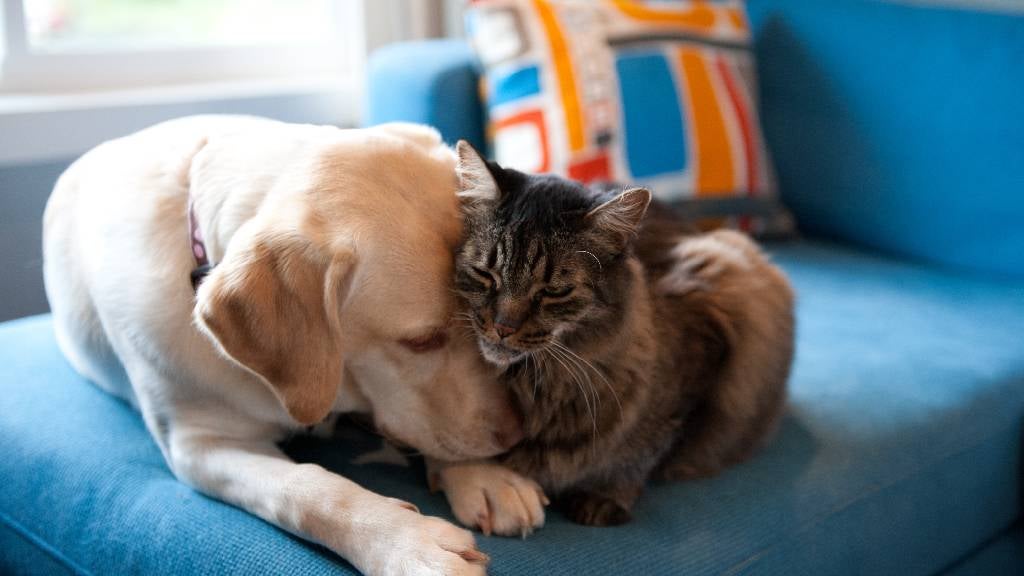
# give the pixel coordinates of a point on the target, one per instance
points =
(981, 547)
(859, 498)
(41, 544)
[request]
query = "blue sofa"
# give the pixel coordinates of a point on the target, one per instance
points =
(899, 147)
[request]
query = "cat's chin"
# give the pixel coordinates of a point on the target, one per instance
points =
(500, 355)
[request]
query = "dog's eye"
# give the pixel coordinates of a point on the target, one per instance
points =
(551, 292)
(428, 343)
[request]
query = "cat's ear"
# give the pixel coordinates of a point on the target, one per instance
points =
(476, 183)
(620, 216)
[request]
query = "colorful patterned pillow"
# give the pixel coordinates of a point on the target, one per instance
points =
(654, 93)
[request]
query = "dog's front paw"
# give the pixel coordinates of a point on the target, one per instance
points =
(397, 540)
(492, 498)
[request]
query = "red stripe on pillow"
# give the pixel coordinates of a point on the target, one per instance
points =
(743, 113)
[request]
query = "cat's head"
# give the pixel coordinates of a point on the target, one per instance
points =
(544, 259)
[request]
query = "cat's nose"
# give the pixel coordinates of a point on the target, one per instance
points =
(504, 330)
(508, 317)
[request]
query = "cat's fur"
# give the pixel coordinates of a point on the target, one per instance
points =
(667, 358)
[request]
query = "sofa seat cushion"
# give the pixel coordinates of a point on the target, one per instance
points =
(1003, 555)
(899, 454)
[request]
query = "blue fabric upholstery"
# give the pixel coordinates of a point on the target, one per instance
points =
(1004, 555)
(86, 489)
(426, 95)
(892, 125)
(432, 83)
(900, 453)
(897, 125)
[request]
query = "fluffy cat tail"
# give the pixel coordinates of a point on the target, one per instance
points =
(748, 303)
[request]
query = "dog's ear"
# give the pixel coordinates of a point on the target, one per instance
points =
(476, 183)
(273, 307)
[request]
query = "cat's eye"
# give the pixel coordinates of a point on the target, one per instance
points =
(426, 343)
(552, 292)
(484, 275)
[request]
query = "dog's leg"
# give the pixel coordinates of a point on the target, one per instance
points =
(488, 496)
(379, 535)
(235, 461)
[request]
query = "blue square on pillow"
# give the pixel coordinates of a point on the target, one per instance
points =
(655, 141)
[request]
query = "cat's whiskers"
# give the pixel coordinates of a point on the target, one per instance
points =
(596, 370)
(464, 319)
(596, 259)
(582, 371)
(533, 364)
(560, 358)
(585, 378)
(465, 332)
(563, 360)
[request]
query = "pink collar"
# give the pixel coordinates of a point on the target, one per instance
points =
(195, 237)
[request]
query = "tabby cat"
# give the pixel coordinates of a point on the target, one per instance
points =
(635, 350)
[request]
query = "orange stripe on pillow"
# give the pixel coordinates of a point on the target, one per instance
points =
(737, 18)
(564, 74)
(743, 111)
(699, 16)
(714, 154)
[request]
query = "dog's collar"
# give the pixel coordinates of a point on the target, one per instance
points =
(199, 253)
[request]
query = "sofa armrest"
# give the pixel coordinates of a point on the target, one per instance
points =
(432, 82)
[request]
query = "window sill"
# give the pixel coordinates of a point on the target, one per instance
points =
(56, 126)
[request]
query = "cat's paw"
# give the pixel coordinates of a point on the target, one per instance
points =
(492, 498)
(591, 509)
(701, 261)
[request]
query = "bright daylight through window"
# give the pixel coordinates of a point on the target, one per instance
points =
(103, 25)
(75, 45)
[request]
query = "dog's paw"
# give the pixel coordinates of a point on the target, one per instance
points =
(493, 498)
(397, 540)
(701, 261)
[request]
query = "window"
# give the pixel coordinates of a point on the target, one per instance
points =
(74, 25)
(61, 45)
(74, 73)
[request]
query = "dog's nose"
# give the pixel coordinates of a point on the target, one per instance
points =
(510, 431)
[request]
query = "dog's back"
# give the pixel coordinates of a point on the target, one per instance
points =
(93, 224)
(333, 258)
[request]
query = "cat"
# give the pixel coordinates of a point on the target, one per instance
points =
(635, 349)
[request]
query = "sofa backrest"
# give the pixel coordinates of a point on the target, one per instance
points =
(899, 124)
(895, 124)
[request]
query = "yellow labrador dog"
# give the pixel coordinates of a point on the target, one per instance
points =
(329, 291)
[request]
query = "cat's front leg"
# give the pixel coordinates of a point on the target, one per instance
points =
(605, 506)
(490, 497)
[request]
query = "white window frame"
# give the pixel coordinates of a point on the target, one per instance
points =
(57, 106)
(27, 71)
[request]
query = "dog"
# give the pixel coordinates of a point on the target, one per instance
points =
(330, 256)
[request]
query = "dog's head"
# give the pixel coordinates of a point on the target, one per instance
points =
(341, 287)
